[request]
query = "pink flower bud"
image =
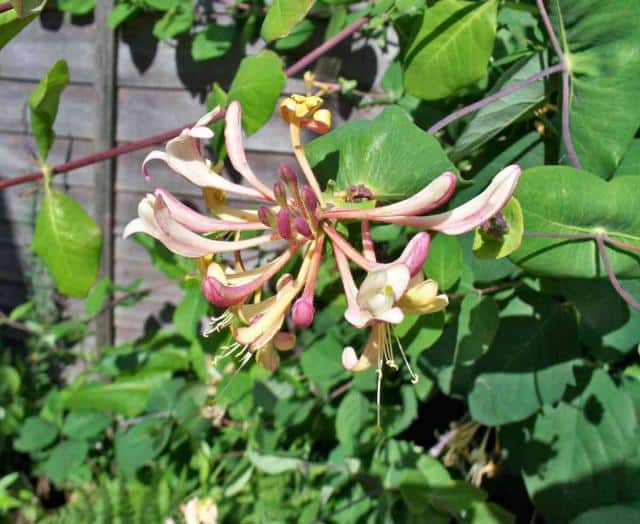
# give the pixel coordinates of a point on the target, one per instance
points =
(303, 312)
(287, 174)
(280, 194)
(310, 199)
(284, 224)
(266, 217)
(416, 252)
(302, 227)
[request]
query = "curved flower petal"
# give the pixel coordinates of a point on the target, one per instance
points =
(431, 197)
(183, 241)
(182, 154)
(472, 214)
(235, 149)
(200, 223)
(369, 355)
(224, 295)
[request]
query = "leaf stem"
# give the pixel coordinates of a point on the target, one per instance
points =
(163, 137)
(600, 239)
(568, 236)
(492, 98)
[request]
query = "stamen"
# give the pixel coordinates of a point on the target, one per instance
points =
(217, 324)
(389, 348)
(414, 377)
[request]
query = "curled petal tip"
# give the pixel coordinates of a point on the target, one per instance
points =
(213, 291)
(349, 358)
(303, 312)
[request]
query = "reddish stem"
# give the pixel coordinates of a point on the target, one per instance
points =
(600, 239)
(492, 98)
(5, 6)
(141, 144)
(319, 51)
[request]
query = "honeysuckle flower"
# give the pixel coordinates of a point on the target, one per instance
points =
(200, 511)
(297, 218)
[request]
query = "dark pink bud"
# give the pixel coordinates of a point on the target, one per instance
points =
(287, 174)
(284, 224)
(266, 216)
(302, 227)
(303, 312)
(217, 293)
(280, 194)
(310, 199)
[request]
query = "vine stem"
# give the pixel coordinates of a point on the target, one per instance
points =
(566, 87)
(600, 239)
(163, 137)
(492, 98)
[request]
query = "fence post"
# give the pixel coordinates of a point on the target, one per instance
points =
(103, 138)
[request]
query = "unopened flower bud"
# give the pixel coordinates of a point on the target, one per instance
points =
(302, 227)
(266, 217)
(310, 199)
(280, 194)
(284, 224)
(303, 312)
(287, 174)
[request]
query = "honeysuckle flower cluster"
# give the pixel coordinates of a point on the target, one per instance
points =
(296, 216)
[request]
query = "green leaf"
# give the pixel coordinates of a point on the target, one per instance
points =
(140, 444)
(120, 13)
(418, 333)
(528, 366)
(257, 86)
(601, 40)
(477, 326)
(298, 36)
(404, 160)
(128, 398)
(609, 514)
(98, 296)
(283, 16)
(321, 361)
(35, 433)
(609, 326)
(85, 425)
(190, 311)
(444, 263)
(488, 246)
(630, 164)
(69, 242)
(65, 459)
(76, 7)
(274, 465)
(11, 24)
(492, 119)
(352, 417)
(43, 106)
(176, 20)
(488, 513)
(451, 48)
(214, 42)
(581, 454)
(563, 200)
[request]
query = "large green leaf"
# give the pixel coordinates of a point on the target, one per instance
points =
(35, 433)
(69, 242)
(528, 366)
(601, 40)
(191, 310)
(11, 24)
(492, 119)
(389, 154)
(139, 444)
(563, 200)
(43, 106)
(283, 16)
(609, 514)
(66, 459)
(128, 398)
(630, 164)
(444, 263)
(581, 454)
(451, 49)
(257, 86)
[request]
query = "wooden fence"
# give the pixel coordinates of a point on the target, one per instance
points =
(155, 87)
